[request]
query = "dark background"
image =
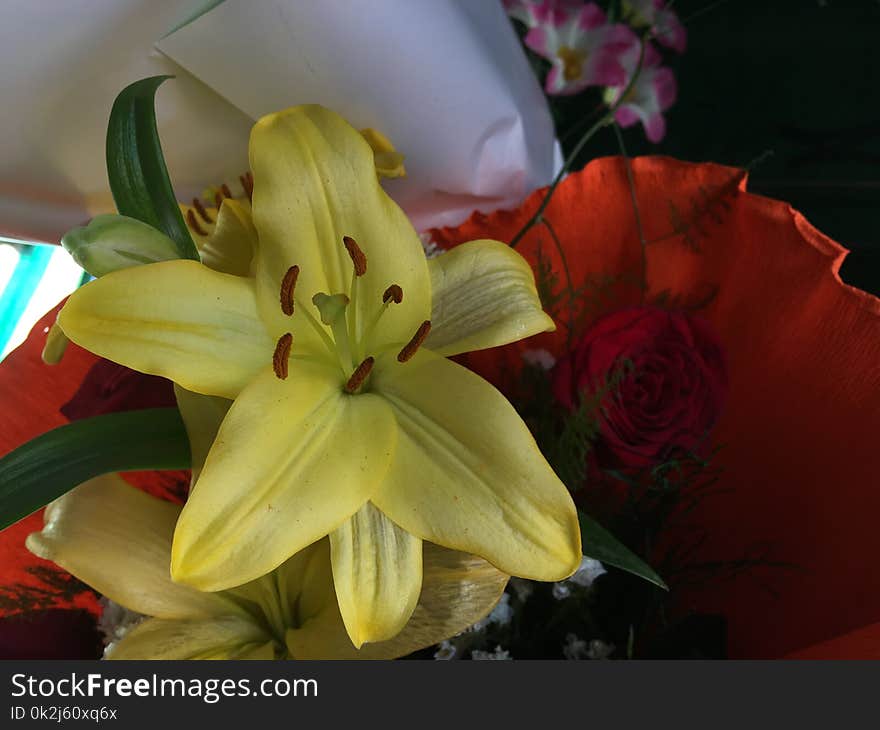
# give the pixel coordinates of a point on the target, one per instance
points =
(795, 77)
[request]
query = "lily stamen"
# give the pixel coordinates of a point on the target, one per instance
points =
(358, 258)
(393, 293)
(358, 377)
(409, 349)
(247, 184)
(197, 204)
(224, 188)
(193, 223)
(359, 261)
(281, 355)
(288, 286)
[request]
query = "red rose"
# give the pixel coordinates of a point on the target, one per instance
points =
(662, 379)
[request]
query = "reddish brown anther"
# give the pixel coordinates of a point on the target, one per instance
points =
(224, 188)
(357, 256)
(358, 377)
(281, 356)
(218, 200)
(247, 183)
(417, 339)
(197, 204)
(288, 285)
(193, 223)
(393, 294)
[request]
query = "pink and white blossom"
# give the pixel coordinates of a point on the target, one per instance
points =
(539, 12)
(653, 92)
(665, 26)
(583, 47)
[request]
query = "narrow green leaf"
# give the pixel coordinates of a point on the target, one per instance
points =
(46, 467)
(138, 177)
(601, 545)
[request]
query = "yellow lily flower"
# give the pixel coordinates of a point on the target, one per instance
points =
(117, 539)
(348, 420)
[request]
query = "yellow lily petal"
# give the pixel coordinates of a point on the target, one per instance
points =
(292, 461)
(468, 475)
(223, 637)
(377, 571)
(484, 296)
(309, 588)
(315, 182)
(177, 319)
(388, 161)
(278, 595)
(230, 246)
(259, 652)
(117, 539)
(202, 416)
(297, 590)
(457, 590)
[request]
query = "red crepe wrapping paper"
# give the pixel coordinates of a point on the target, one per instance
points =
(799, 430)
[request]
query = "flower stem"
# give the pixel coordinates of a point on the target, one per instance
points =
(638, 216)
(322, 333)
(587, 136)
(568, 283)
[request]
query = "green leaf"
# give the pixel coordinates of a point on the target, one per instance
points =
(136, 168)
(46, 467)
(601, 545)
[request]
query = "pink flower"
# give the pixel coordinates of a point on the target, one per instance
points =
(584, 49)
(664, 23)
(652, 94)
(539, 12)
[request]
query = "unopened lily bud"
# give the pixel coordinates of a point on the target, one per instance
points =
(112, 242)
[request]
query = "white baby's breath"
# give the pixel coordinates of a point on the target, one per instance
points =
(432, 249)
(498, 654)
(539, 358)
(445, 651)
(583, 577)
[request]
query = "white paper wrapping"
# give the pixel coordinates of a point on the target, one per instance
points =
(446, 80)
